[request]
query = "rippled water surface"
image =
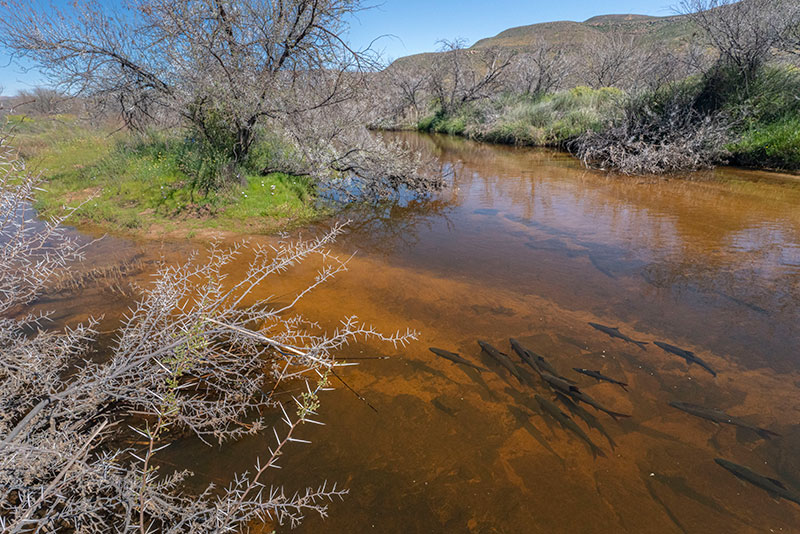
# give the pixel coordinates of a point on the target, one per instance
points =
(527, 244)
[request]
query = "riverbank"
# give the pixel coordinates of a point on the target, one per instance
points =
(550, 120)
(151, 185)
(661, 131)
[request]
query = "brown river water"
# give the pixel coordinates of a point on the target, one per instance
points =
(527, 244)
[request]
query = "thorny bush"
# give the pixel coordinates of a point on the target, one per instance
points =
(190, 357)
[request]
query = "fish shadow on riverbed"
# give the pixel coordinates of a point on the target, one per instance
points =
(523, 419)
(498, 309)
(747, 436)
(497, 369)
(486, 393)
(591, 421)
(441, 404)
(651, 489)
(418, 365)
(680, 486)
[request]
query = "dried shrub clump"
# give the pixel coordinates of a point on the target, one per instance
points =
(189, 358)
(656, 134)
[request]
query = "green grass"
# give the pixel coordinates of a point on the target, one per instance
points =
(145, 184)
(775, 145)
(768, 134)
(453, 124)
(764, 121)
(547, 120)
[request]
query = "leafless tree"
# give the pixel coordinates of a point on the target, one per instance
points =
(654, 66)
(228, 68)
(745, 33)
(541, 69)
(609, 60)
(208, 60)
(42, 101)
(462, 75)
(190, 357)
(404, 86)
(696, 58)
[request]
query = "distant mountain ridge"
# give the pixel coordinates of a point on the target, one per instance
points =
(670, 31)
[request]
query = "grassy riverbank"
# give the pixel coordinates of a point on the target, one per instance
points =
(529, 120)
(759, 129)
(151, 185)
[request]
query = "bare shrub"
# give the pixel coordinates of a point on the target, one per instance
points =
(42, 101)
(462, 75)
(402, 89)
(745, 33)
(609, 60)
(192, 356)
(656, 134)
(31, 250)
(541, 69)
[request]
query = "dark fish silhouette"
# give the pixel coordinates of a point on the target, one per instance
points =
(614, 332)
(687, 355)
(567, 423)
(718, 416)
(545, 367)
(525, 355)
(597, 375)
(455, 358)
(590, 420)
(774, 487)
(501, 358)
(560, 385)
(535, 361)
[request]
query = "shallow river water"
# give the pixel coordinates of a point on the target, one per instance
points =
(527, 244)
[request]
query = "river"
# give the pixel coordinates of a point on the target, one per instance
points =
(527, 244)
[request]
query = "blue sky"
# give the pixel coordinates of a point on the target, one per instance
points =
(416, 25)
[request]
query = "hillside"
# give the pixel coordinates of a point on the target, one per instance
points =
(670, 32)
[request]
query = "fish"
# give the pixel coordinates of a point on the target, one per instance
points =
(774, 487)
(502, 358)
(561, 385)
(586, 399)
(524, 354)
(590, 420)
(597, 375)
(718, 416)
(568, 424)
(545, 367)
(455, 358)
(687, 355)
(535, 361)
(615, 333)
